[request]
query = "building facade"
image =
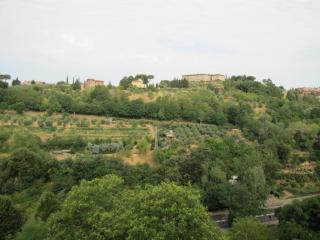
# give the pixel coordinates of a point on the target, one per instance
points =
(138, 83)
(315, 90)
(90, 83)
(203, 79)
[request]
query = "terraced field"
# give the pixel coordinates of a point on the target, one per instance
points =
(90, 129)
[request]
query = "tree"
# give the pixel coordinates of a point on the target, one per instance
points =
(168, 211)
(20, 107)
(100, 93)
(291, 230)
(144, 77)
(316, 147)
(283, 151)
(87, 211)
(300, 220)
(315, 113)
(47, 205)
(248, 196)
(76, 85)
(33, 229)
(305, 213)
(5, 77)
(21, 169)
(317, 170)
(255, 180)
(3, 84)
(125, 82)
(16, 82)
(248, 228)
(105, 209)
(11, 219)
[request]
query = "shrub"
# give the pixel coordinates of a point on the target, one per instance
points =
(105, 148)
(20, 107)
(27, 122)
(11, 219)
(57, 142)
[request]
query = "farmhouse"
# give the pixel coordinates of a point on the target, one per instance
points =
(90, 83)
(138, 83)
(203, 79)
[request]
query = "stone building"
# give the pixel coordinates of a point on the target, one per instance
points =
(312, 90)
(203, 79)
(138, 83)
(90, 83)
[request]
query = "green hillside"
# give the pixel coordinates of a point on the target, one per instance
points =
(204, 149)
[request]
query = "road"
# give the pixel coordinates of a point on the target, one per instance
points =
(221, 217)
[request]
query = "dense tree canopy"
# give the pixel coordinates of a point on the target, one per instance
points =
(105, 209)
(300, 219)
(22, 169)
(11, 219)
(249, 228)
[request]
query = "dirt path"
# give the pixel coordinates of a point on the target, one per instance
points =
(273, 202)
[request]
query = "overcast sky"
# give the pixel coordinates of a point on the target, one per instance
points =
(105, 39)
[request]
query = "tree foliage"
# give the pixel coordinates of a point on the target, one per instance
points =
(22, 169)
(248, 228)
(301, 218)
(105, 209)
(11, 219)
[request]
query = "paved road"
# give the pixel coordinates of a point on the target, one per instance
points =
(221, 217)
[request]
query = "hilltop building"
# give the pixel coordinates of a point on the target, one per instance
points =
(90, 83)
(203, 79)
(138, 83)
(315, 91)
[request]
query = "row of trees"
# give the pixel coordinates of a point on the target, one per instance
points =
(176, 83)
(201, 105)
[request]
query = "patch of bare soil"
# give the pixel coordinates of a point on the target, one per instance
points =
(259, 110)
(139, 158)
(144, 96)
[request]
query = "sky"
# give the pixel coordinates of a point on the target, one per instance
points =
(107, 39)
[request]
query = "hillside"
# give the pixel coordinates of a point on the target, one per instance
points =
(237, 145)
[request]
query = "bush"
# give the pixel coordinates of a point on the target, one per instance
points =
(11, 219)
(142, 145)
(20, 107)
(248, 228)
(22, 169)
(27, 122)
(105, 147)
